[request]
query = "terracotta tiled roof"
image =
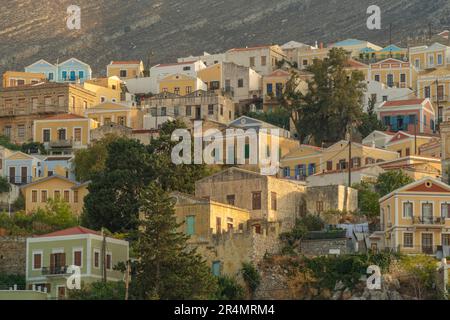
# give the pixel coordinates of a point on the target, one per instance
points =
(65, 116)
(398, 103)
(249, 48)
(126, 62)
(351, 63)
(70, 232)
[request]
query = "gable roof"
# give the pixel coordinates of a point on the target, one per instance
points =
(293, 45)
(349, 42)
(20, 153)
(65, 116)
(426, 184)
(278, 73)
(398, 103)
(389, 60)
(126, 62)
(352, 63)
(48, 179)
(75, 60)
(70, 232)
(250, 48)
(41, 61)
(390, 48)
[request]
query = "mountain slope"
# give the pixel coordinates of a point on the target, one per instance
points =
(118, 29)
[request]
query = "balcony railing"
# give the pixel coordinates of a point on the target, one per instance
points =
(437, 221)
(54, 270)
(19, 180)
(61, 143)
(440, 98)
(26, 110)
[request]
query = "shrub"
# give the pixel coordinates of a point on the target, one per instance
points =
(100, 291)
(251, 276)
(229, 289)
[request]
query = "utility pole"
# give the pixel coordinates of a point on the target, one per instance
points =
(438, 101)
(104, 279)
(390, 40)
(349, 157)
(415, 136)
(127, 279)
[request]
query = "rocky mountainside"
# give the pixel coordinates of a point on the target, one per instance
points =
(118, 29)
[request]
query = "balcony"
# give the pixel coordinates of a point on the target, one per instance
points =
(228, 91)
(54, 270)
(428, 221)
(440, 98)
(27, 110)
(62, 143)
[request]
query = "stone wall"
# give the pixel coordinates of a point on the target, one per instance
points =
(323, 247)
(12, 255)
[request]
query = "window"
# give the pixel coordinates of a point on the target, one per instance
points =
(440, 92)
(216, 268)
(210, 109)
(287, 171)
(273, 202)
(240, 83)
(163, 111)
(62, 134)
(7, 131)
(427, 212)
(427, 92)
(263, 60)
(356, 162)
(81, 75)
(176, 90)
(402, 78)
(370, 160)
(408, 240)
(319, 206)
(176, 111)
(190, 225)
(377, 77)
(417, 63)
(46, 135)
(72, 76)
(186, 68)
(218, 225)
(256, 200)
(439, 59)
(77, 256)
(50, 76)
(123, 73)
(37, 260)
(96, 259)
(66, 195)
(390, 80)
(75, 196)
(188, 110)
(21, 131)
(231, 199)
(77, 134)
(269, 88)
(446, 239)
(399, 153)
(408, 210)
(34, 103)
(329, 165)
(61, 101)
(445, 210)
(305, 62)
(57, 194)
(34, 196)
(44, 196)
(252, 61)
(64, 75)
(188, 89)
(408, 152)
(108, 261)
(430, 60)
(102, 99)
(73, 103)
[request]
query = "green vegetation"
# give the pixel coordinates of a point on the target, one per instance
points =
(6, 142)
(278, 117)
(390, 181)
(332, 104)
(7, 281)
(99, 291)
(251, 277)
(421, 272)
(166, 268)
(229, 289)
(369, 121)
(56, 215)
(4, 185)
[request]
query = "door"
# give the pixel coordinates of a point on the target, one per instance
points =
(24, 175)
(390, 80)
(61, 293)
(216, 268)
(198, 113)
(427, 243)
(427, 213)
(12, 175)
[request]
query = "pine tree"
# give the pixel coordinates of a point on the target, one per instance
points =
(167, 268)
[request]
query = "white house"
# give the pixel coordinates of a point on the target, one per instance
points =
(189, 68)
(380, 92)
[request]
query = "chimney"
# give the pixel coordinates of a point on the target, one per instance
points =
(321, 45)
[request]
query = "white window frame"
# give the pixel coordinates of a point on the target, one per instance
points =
(403, 209)
(99, 259)
(77, 249)
(106, 260)
(403, 239)
(440, 208)
(33, 253)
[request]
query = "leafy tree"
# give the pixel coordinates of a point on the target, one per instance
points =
(368, 197)
(421, 272)
(251, 277)
(332, 104)
(9, 280)
(99, 291)
(166, 268)
(91, 161)
(229, 289)
(5, 186)
(369, 121)
(33, 147)
(112, 201)
(390, 181)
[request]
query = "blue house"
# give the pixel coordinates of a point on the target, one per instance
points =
(72, 70)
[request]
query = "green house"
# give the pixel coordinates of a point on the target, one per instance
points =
(50, 256)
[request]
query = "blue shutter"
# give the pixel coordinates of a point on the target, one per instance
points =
(190, 225)
(64, 75)
(81, 74)
(297, 171)
(269, 88)
(216, 268)
(72, 75)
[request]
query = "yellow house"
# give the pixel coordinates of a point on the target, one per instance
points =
(394, 73)
(17, 78)
(106, 89)
(181, 84)
(435, 85)
(308, 160)
(38, 192)
(426, 57)
(125, 69)
(406, 144)
(212, 76)
(307, 55)
(416, 218)
(417, 167)
(110, 112)
(64, 131)
(353, 65)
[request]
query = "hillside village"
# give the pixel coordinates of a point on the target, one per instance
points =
(51, 112)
